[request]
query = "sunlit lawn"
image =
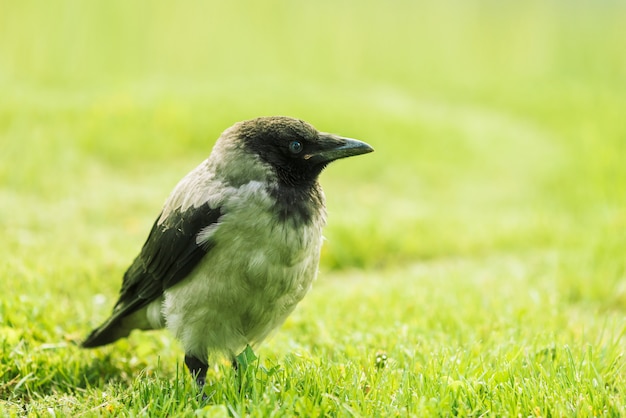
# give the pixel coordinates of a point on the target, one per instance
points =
(475, 264)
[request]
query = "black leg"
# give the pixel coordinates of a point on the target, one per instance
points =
(234, 363)
(197, 368)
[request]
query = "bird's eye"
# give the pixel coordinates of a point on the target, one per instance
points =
(295, 147)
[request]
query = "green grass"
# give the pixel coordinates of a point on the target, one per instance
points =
(475, 263)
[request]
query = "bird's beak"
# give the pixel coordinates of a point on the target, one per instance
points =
(333, 147)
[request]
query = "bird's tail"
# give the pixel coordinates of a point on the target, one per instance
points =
(110, 331)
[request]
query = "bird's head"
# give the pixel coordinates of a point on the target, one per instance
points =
(293, 149)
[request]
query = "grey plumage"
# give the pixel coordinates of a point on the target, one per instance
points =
(237, 243)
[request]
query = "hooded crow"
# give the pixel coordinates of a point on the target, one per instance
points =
(237, 244)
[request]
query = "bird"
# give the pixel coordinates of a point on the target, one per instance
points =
(236, 245)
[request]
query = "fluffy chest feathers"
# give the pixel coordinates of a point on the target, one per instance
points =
(262, 261)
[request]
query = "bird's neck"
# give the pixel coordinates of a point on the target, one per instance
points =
(300, 204)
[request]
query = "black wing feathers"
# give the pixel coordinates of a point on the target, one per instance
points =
(168, 256)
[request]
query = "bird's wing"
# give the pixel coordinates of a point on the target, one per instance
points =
(173, 249)
(170, 253)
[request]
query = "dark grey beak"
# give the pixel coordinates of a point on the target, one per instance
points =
(333, 147)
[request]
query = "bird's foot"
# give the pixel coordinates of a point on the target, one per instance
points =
(198, 369)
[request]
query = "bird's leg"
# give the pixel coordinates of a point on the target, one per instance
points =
(198, 369)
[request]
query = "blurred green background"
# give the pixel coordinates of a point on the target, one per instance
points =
(492, 212)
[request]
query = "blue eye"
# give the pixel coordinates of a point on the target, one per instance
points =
(295, 147)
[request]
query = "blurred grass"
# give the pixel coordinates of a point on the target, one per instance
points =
(499, 135)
